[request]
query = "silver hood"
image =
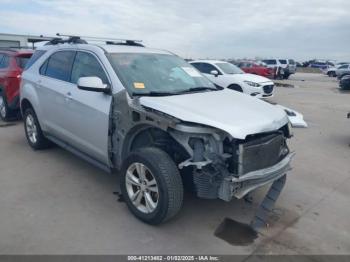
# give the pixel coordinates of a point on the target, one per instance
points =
(235, 113)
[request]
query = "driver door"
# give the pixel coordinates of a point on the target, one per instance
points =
(88, 111)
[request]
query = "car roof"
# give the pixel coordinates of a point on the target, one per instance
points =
(106, 48)
(208, 61)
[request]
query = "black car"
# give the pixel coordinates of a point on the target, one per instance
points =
(344, 82)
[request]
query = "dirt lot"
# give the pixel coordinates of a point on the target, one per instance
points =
(51, 202)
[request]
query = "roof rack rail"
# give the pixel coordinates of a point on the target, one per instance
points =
(71, 40)
(125, 42)
(107, 40)
(74, 39)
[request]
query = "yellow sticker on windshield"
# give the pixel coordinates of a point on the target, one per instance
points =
(139, 85)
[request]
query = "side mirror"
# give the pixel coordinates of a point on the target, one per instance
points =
(214, 73)
(92, 83)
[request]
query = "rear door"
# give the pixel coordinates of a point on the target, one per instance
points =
(87, 118)
(54, 87)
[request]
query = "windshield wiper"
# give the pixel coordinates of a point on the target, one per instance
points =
(154, 93)
(190, 90)
(197, 89)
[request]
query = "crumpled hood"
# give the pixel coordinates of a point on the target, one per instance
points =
(233, 112)
(250, 77)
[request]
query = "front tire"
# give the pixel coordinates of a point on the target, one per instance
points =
(151, 185)
(34, 134)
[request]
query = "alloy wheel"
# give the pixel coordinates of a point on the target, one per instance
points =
(31, 128)
(142, 188)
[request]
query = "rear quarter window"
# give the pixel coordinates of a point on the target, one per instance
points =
(22, 60)
(37, 54)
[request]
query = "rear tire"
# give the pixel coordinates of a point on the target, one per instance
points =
(5, 111)
(34, 134)
(235, 87)
(331, 74)
(150, 173)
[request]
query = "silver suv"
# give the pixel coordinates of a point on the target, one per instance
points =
(152, 118)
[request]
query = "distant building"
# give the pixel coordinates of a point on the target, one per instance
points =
(12, 40)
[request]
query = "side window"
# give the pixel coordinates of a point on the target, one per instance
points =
(85, 64)
(59, 65)
(1, 57)
(198, 66)
(5, 61)
(343, 67)
(207, 68)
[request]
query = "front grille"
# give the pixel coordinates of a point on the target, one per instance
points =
(268, 89)
(259, 153)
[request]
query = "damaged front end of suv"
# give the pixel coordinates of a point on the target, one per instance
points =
(172, 126)
(225, 167)
(222, 166)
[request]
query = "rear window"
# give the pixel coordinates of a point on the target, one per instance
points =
(22, 60)
(270, 61)
(37, 54)
(283, 61)
(5, 61)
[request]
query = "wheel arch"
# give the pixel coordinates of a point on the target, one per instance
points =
(236, 87)
(25, 104)
(147, 135)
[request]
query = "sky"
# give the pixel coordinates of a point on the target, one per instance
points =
(299, 29)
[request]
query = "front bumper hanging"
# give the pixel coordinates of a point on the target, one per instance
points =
(240, 186)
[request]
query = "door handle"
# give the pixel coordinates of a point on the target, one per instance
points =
(69, 96)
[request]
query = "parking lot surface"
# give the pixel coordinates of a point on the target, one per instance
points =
(52, 202)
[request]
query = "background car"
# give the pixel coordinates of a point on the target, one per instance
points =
(344, 83)
(321, 64)
(232, 77)
(330, 71)
(342, 71)
(286, 66)
(292, 66)
(256, 69)
(12, 63)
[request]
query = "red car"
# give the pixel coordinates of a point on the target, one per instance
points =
(12, 63)
(253, 68)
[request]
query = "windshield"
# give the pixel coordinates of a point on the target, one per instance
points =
(228, 68)
(149, 73)
(270, 61)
